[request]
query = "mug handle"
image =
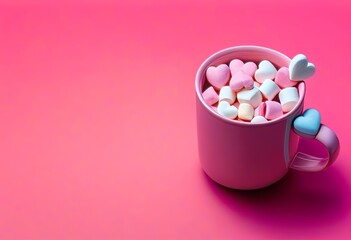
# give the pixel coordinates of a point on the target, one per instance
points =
(309, 126)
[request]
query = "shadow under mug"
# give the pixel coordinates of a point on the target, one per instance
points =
(243, 155)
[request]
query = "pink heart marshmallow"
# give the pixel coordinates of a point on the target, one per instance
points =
(235, 65)
(250, 68)
(241, 79)
(282, 78)
(218, 76)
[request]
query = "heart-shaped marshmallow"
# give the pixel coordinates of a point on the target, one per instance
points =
(308, 125)
(226, 110)
(282, 78)
(235, 66)
(300, 68)
(265, 70)
(241, 80)
(218, 76)
(259, 119)
(250, 68)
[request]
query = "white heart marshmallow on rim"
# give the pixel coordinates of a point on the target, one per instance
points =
(300, 68)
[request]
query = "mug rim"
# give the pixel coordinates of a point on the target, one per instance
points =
(245, 48)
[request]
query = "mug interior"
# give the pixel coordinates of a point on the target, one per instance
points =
(245, 53)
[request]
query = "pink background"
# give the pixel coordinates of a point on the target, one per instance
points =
(98, 133)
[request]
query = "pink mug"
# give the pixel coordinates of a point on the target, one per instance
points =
(244, 155)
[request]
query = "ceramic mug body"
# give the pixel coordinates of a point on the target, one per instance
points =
(243, 155)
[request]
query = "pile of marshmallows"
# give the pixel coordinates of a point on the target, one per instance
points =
(262, 93)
